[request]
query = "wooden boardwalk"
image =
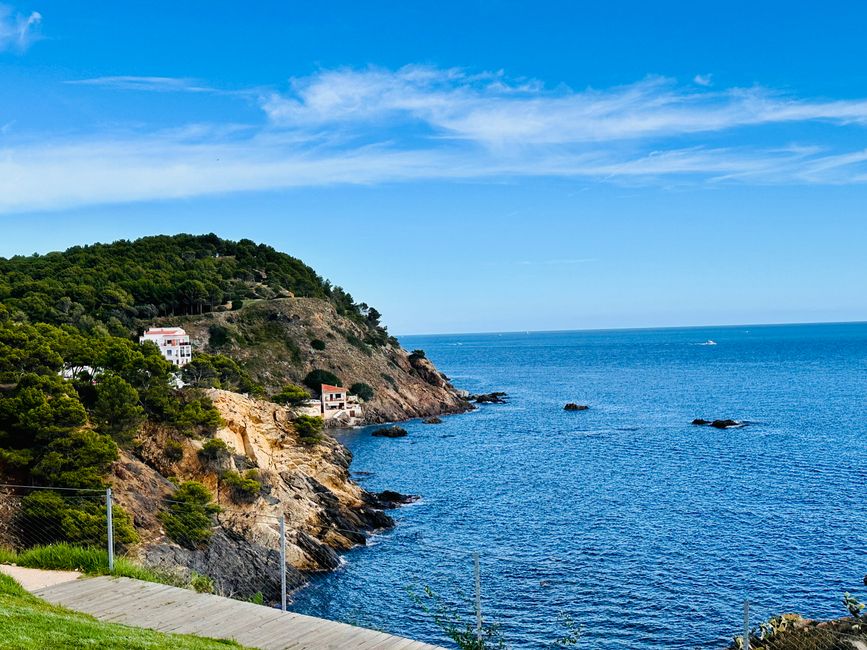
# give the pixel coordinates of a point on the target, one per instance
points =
(170, 609)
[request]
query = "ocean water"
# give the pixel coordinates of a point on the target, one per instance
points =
(645, 530)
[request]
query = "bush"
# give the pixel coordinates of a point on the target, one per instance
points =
(315, 379)
(415, 355)
(292, 395)
(243, 488)
(202, 584)
(237, 304)
(77, 521)
(218, 336)
(361, 390)
(317, 344)
(173, 450)
(214, 453)
(188, 516)
(309, 428)
(197, 414)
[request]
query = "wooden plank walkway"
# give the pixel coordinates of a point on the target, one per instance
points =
(170, 609)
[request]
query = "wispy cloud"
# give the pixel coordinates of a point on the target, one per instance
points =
(703, 79)
(17, 30)
(150, 84)
(376, 126)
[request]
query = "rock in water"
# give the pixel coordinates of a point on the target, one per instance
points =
(726, 424)
(497, 397)
(720, 424)
(433, 420)
(390, 432)
(392, 499)
(572, 406)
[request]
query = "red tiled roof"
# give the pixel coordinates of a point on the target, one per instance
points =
(327, 388)
(165, 330)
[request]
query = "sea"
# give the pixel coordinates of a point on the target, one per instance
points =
(625, 523)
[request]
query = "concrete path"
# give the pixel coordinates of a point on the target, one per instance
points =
(33, 579)
(170, 609)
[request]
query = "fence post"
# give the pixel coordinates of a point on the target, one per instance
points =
(746, 644)
(283, 562)
(110, 529)
(478, 580)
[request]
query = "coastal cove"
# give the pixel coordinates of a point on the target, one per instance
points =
(645, 529)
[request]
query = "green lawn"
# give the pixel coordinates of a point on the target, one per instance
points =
(28, 623)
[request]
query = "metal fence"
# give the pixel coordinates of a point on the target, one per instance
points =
(493, 586)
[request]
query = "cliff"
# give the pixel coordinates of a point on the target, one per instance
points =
(274, 341)
(309, 484)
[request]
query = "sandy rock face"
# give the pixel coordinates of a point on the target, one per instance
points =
(309, 485)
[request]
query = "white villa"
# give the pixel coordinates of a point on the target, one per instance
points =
(336, 406)
(173, 342)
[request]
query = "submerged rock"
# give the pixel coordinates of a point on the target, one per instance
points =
(572, 406)
(497, 397)
(720, 424)
(390, 432)
(392, 499)
(432, 420)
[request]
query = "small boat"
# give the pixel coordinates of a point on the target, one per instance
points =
(708, 342)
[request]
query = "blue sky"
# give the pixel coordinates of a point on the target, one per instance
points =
(466, 166)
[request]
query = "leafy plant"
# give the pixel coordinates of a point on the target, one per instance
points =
(309, 428)
(244, 487)
(292, 395)
(317, 344)
(315, 379)
(188, 516)
(362, 390)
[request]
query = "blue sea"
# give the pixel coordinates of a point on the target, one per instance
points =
(644, 530)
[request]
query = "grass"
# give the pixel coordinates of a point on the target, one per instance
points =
(28, 623)
(91, 561)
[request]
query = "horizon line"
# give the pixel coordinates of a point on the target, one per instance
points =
(638, 329)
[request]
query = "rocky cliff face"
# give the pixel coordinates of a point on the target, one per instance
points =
(273, 340)
(325, 512)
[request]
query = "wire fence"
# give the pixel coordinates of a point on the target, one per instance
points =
(422, 588)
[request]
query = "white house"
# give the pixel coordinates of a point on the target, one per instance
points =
(173, 342)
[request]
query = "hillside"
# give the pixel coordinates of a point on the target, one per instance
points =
(272, 340)
(202, 472)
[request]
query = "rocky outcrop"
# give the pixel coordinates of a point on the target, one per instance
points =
(272, 340)
(390, 432)
(719, 424)
(572, 406)
(497, 397)
(432, 420)
(308, 484)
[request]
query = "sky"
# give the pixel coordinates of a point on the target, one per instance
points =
(463, 166)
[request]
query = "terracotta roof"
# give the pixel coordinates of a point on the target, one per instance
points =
(327, 388)
(165, 330)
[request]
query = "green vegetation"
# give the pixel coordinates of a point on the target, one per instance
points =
(243, 488)
(173, 450)
(78, 521)
(188, 516)
(214, 453)
(315, 379)
(309, 428)
(29, 623)
(317, 344)
(415, 355)
(218, 371)
(361, 390)
(292, 395)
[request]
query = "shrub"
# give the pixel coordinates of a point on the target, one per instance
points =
(244, 487)
(315, 379)
(415, 355)
(201, 583)
(218, 335)
(309, 428)
(188, 516)
(317, 344)
(292, 395)
(77, 521)
(197, 414)
(173, 450)
(237, 304)
(214, 453)
(362, 390)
